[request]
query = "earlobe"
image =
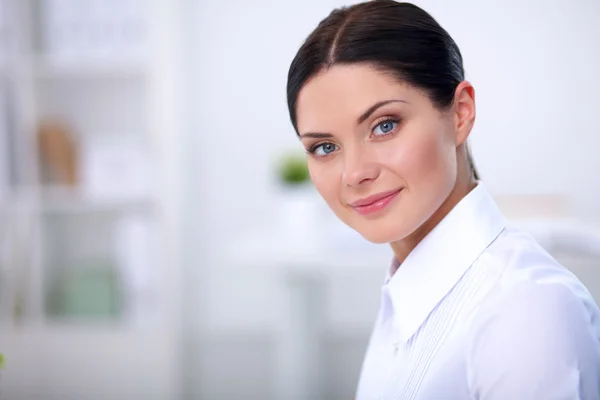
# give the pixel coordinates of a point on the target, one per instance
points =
(464, 98)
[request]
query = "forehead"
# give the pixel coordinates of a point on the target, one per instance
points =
(344, 92)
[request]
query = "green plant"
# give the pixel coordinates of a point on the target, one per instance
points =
(2, 360)
(293, 169)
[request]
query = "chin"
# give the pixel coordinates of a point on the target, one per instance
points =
(380, 234)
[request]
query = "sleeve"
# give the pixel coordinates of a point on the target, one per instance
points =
(538, 343)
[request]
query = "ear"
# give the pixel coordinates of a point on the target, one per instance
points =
(464, 111)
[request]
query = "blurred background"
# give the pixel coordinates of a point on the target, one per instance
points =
(158, 236)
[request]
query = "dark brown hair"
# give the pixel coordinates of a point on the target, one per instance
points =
(397, 38)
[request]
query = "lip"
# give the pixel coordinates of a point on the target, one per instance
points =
(374, 203)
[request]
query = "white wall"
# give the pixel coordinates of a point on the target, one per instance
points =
(244, 50)
(534, 65)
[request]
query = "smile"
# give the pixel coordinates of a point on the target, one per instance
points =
(375, 203)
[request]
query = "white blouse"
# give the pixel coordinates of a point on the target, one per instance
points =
(480, 311)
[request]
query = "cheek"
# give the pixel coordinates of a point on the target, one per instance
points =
(423, 157)
(326, 180)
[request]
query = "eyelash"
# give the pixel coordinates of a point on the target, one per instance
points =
(394, 120)
(312, 149)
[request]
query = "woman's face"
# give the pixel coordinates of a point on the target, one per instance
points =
(383, 157)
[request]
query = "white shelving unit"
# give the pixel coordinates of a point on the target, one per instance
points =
(88, 270)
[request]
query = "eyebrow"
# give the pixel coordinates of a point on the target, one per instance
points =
(360, 120)
(374, 108)
(316, 135)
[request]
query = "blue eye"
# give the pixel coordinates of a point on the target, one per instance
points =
(385, 127)
(324, 149)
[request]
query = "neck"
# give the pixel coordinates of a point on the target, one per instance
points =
(404, 247)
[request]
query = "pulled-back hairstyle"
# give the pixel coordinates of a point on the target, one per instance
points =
(397, 38)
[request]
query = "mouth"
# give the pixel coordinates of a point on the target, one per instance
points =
(375, 203)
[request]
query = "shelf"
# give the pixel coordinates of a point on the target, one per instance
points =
(58, 199)
(85, 266)
(65, 325)
(46, 68)
(88, 206)
(65, 200)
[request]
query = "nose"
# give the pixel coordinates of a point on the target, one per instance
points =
(358, 169)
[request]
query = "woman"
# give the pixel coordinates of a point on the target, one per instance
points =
(471, 309)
